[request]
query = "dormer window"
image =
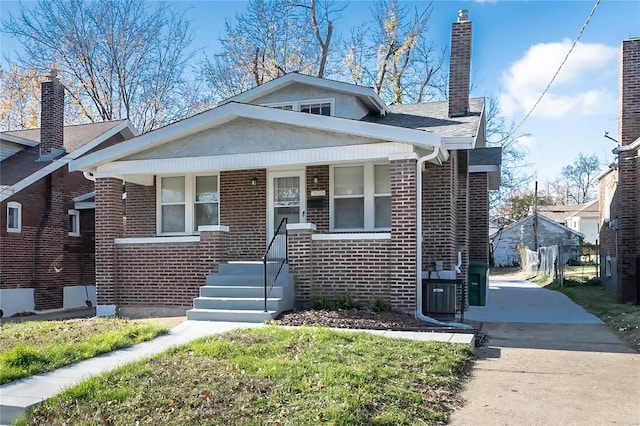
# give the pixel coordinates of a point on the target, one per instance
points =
(315, 106)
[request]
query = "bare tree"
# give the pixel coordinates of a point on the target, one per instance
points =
(515, 172)
(120, 58)
(581, 178)
(405, 61)
(20, 102)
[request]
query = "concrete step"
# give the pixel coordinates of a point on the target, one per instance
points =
(230, 315)
(236, 303)
(235, 279)
(241, 268)
(238, 291)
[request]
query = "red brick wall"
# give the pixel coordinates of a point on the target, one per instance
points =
(439, 215)
(479, 217)
(402, 251)
(109, 226)
(628, 180)
(140, 210)
(43, 256)
(359, 268)
(243, 209)
(167, 274)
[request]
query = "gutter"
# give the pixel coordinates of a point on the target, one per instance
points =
(438, 153)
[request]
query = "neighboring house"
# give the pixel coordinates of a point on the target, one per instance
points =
(620, 188)
(46, 212)
(375, 196)
(507, 241)
(582, 218)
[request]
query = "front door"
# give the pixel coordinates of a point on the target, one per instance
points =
(286, 198)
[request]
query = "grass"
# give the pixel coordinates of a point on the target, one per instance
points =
(273, 376)
(623, 319)
(34, 347)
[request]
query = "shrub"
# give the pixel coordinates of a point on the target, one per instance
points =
(379, 305)
(344, 301)
(318, 302)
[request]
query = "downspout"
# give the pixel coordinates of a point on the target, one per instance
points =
(419, 164)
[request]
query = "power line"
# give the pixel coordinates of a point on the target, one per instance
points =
(544, 92)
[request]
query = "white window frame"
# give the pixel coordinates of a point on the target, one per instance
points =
(369, 197)
(75, 229)
(14, 205)
(295, 105)
(189, 203)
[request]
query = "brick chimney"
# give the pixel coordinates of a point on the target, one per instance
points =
(51, 118)
(460, 66)
(629, 114)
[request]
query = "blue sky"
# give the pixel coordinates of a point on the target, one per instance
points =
(517, 47)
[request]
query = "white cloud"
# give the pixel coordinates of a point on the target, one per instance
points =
(527, 141)
(573, 90)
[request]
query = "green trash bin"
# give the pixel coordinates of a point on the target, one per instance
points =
(478, 280)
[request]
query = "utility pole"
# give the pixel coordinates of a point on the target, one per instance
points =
(535, 218)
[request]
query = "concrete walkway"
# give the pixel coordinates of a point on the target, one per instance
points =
(17, 397)
(547, 362)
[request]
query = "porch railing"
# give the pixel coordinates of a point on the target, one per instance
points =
(274, 258)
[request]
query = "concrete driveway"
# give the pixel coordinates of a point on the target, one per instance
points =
(547, 362)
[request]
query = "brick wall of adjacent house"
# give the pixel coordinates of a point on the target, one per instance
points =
(479, 217)
(43, 256)
(607, 241)
(243, 209)
(628, 181)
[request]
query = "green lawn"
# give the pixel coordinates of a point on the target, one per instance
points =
(34, 347)
(273, 376)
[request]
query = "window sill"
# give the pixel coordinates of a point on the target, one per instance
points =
(354, 236)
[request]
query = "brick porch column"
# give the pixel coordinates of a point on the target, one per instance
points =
(300, 261)
(403, 252)
(109, 226)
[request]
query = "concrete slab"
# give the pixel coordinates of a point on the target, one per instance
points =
(522, 301)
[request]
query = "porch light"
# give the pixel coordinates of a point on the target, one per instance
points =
(254, 181)
(315, 179)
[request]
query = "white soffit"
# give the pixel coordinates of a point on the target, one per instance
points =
(128, 169)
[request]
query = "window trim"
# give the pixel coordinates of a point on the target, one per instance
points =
(189, 203)
(369, 197)
(296, 104)
(75, 232)
(18, 207)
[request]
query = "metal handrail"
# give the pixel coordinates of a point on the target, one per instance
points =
(274, 259)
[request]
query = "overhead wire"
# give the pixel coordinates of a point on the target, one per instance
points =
(575, 42)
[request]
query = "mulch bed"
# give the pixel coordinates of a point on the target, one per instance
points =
(366, 319)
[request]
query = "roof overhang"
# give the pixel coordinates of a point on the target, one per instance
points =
(487, 160)
(17, 140)
(125, 128)
(210, 119)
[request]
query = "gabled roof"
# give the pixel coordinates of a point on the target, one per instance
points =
(540, 218)
(560, 212)
(231, 110)
(433, 117)
(366, 94)
(23, 168)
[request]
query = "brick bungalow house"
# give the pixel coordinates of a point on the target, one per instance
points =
(620, 187)
(47, 212)
(376, 197)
